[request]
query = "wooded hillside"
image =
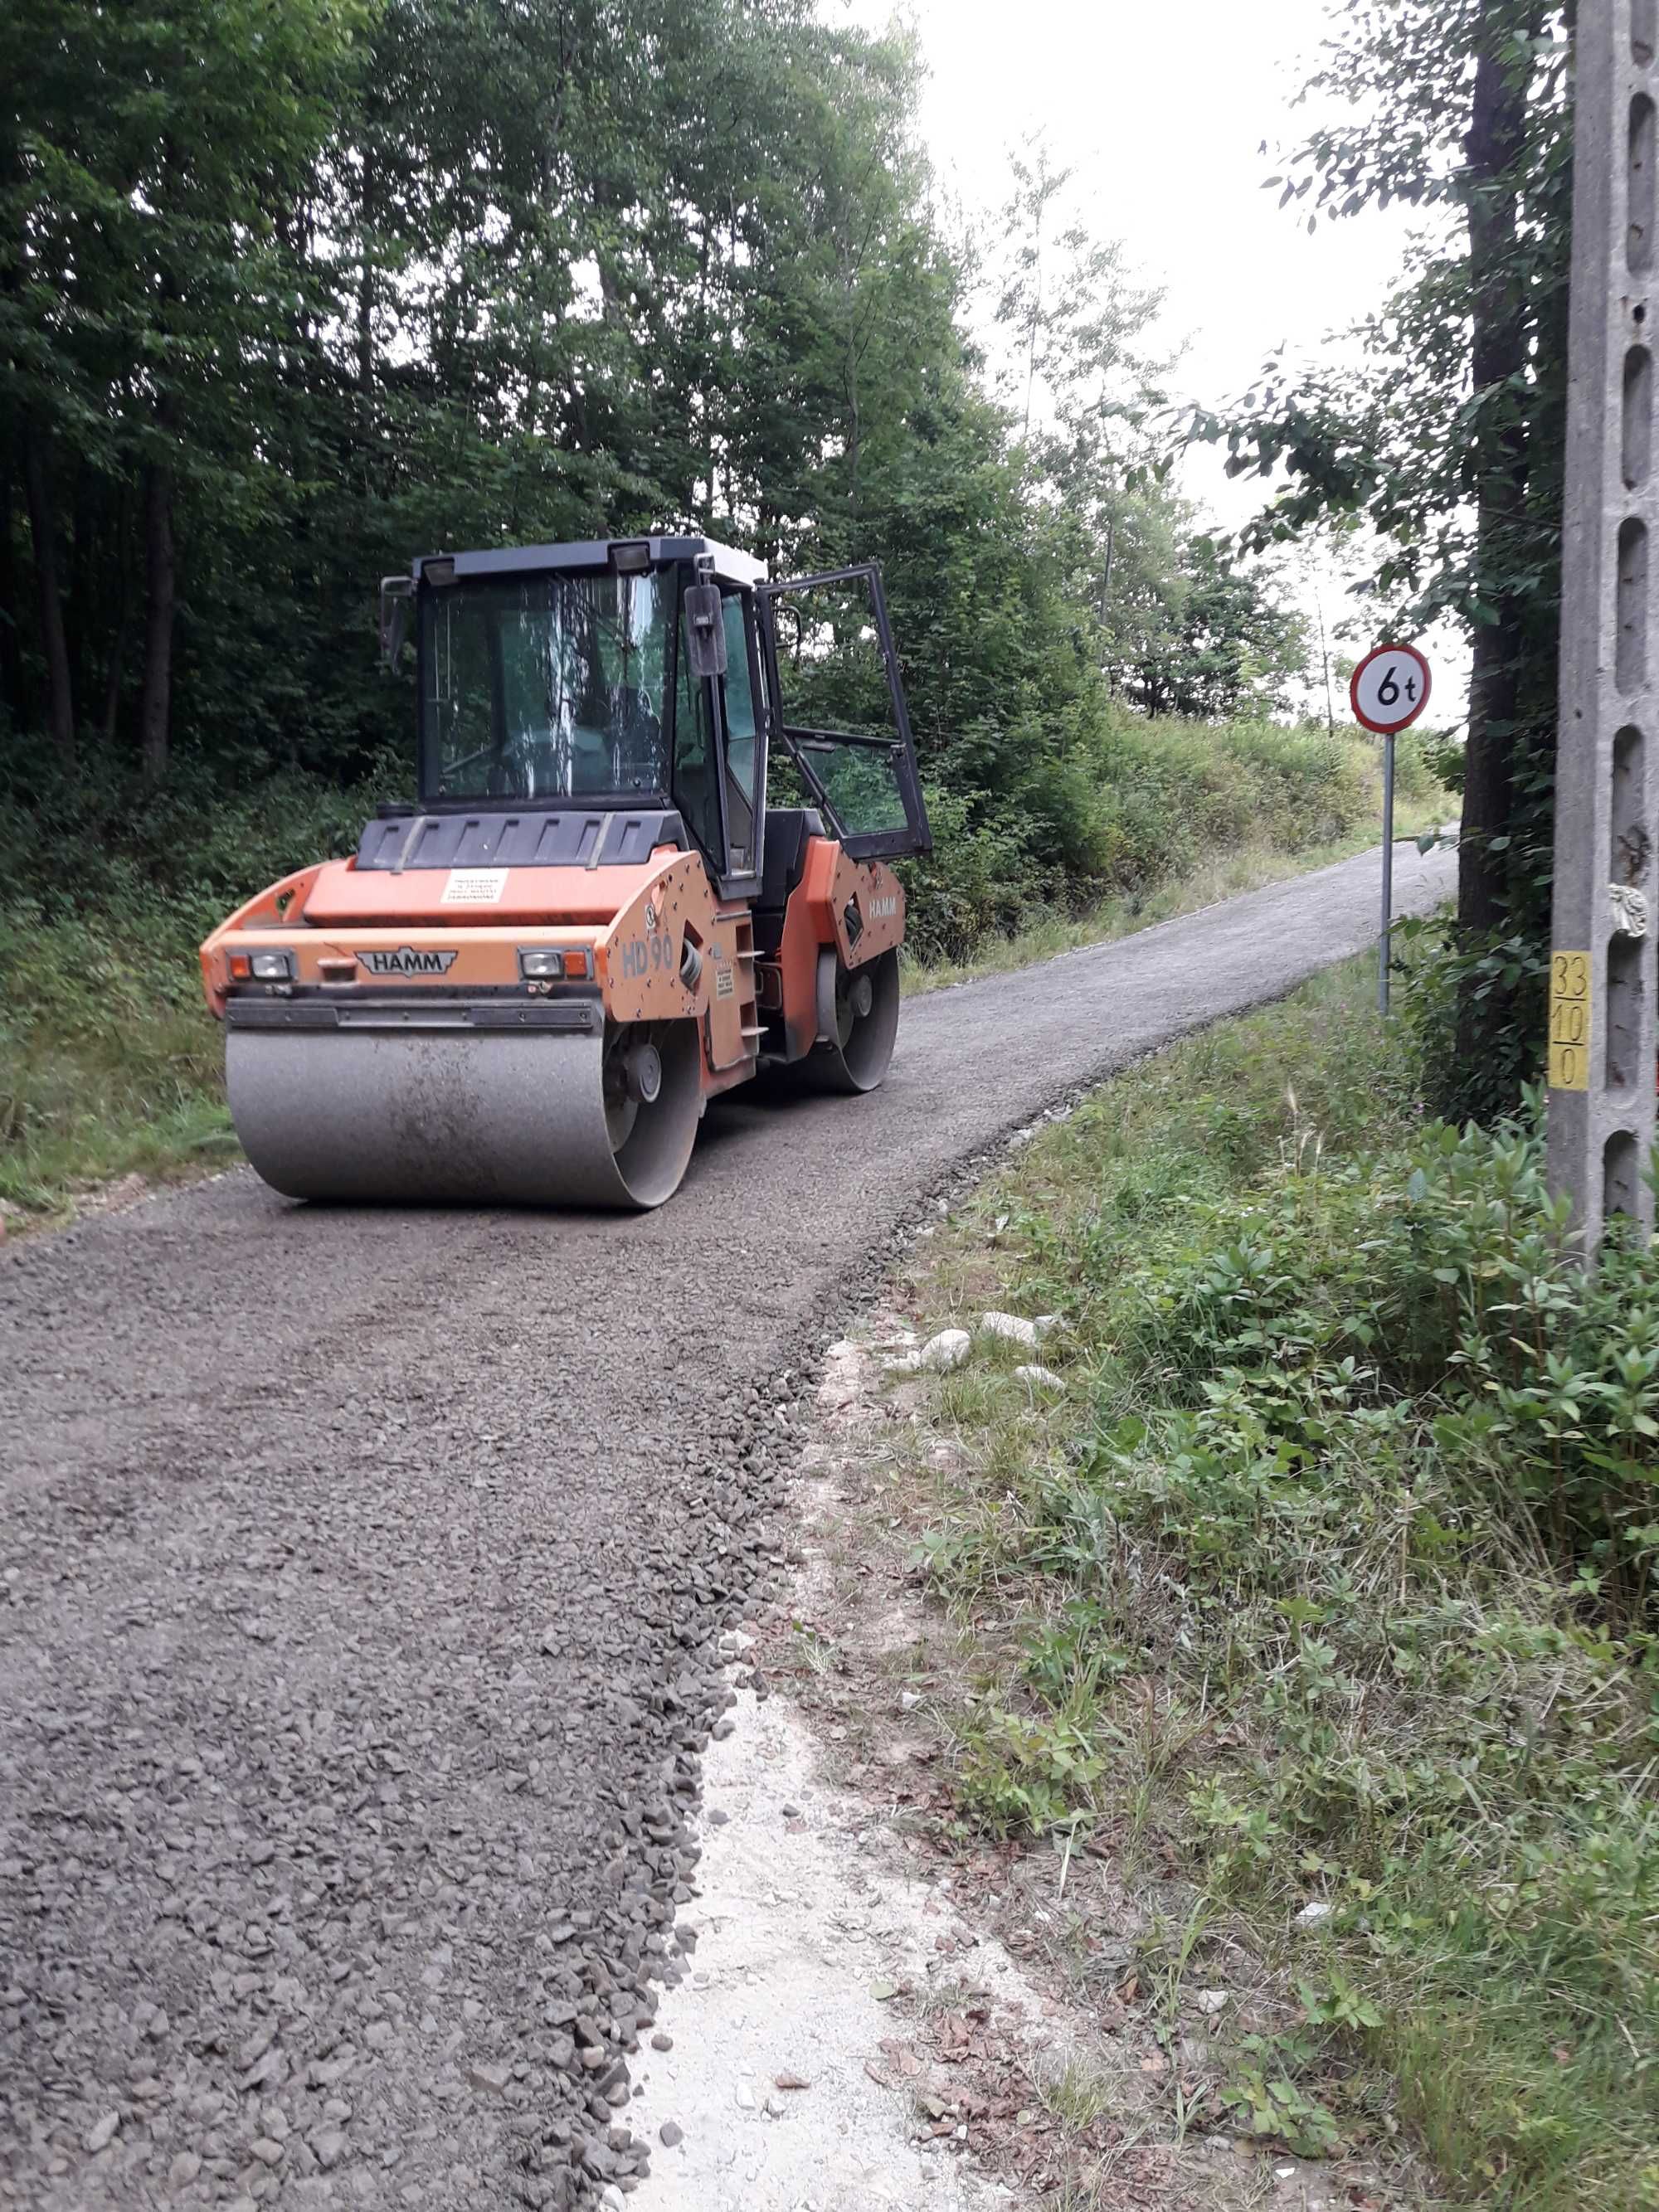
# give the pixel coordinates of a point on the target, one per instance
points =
(290, 290)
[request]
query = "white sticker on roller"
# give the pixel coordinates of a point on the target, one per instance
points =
(474, 887)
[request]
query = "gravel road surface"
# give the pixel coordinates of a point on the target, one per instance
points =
(360, 1580)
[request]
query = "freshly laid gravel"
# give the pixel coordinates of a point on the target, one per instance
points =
(360, 1585)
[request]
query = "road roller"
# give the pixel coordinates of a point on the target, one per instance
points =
(528, 981)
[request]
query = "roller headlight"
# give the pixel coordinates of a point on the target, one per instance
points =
(556, 963)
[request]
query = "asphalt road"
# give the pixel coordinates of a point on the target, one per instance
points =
(360, 1578)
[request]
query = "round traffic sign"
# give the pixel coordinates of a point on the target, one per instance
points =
(1391, 689)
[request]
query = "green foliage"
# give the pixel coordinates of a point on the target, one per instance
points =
(103, 846)
(1437, 1278)
(1228, 647)
(1137, 806)
(1264, 2100)
(466, 275)
(109, 1063)
(1342, 1574)
(1400, 440)
(1018, 1772)
(1443, 436)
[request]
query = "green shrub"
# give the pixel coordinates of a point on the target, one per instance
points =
(1439, 1277)
(978, 882)
(1416, 772)
(1118, 813)
(109, 1061)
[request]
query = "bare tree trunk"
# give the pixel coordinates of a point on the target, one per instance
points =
(115, 667)
(82, 591)
(113, 674)
(1498, 357)
(155, 702)
(43, 528)
(11, 672)
(1037, 318)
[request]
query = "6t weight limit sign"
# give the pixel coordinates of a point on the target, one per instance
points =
(1391, 689)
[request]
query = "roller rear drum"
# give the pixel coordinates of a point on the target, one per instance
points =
(858, 1021)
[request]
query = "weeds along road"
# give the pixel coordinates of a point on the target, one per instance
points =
(361, 1574)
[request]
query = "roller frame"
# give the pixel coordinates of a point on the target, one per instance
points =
(470, 1085)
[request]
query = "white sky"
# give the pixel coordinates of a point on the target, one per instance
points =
(1161, 107)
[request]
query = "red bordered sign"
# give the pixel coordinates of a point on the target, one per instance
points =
(1391, 689)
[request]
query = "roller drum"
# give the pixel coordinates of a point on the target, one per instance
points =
(460, 1114)
(858, 1021)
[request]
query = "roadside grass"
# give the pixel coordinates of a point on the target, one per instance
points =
(109, 1061)
(1080, 2095)
(1328, 1583)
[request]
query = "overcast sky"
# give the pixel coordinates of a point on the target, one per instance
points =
(1161, 109)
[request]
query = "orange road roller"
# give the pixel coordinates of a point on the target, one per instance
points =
(526, 986)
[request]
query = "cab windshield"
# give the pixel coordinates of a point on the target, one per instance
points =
(547, 687)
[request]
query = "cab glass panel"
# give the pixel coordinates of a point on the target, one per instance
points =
(546, 687)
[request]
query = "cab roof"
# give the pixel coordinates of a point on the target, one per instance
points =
(731, 566)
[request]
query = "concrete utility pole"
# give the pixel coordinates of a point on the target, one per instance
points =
(1603, 979)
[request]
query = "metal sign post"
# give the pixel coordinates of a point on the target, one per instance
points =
(1389, 690)
(1601, 1037)
(1385, 940)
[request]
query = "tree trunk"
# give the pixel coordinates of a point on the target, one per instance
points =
(11, 703)
(854, 435)
(156, 704)
(113, 674)
(115, 667)
(43, 528)
(81, 594)
(1498, 356)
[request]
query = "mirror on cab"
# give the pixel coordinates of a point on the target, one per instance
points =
(705, 629)
(396, 593)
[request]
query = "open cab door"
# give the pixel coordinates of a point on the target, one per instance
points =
(838, 708)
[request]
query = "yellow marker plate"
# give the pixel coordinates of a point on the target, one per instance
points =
(1570, 1021)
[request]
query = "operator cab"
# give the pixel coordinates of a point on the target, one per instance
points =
(643, 677)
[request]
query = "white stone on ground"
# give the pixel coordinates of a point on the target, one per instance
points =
(1044, 1376)
(939, 1354)
(1014, 1329)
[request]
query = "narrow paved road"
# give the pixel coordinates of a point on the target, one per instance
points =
(360, 1575)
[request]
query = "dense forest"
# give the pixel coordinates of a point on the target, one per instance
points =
(294, 288)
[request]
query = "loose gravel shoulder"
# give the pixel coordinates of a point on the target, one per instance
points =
(360, 1585)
